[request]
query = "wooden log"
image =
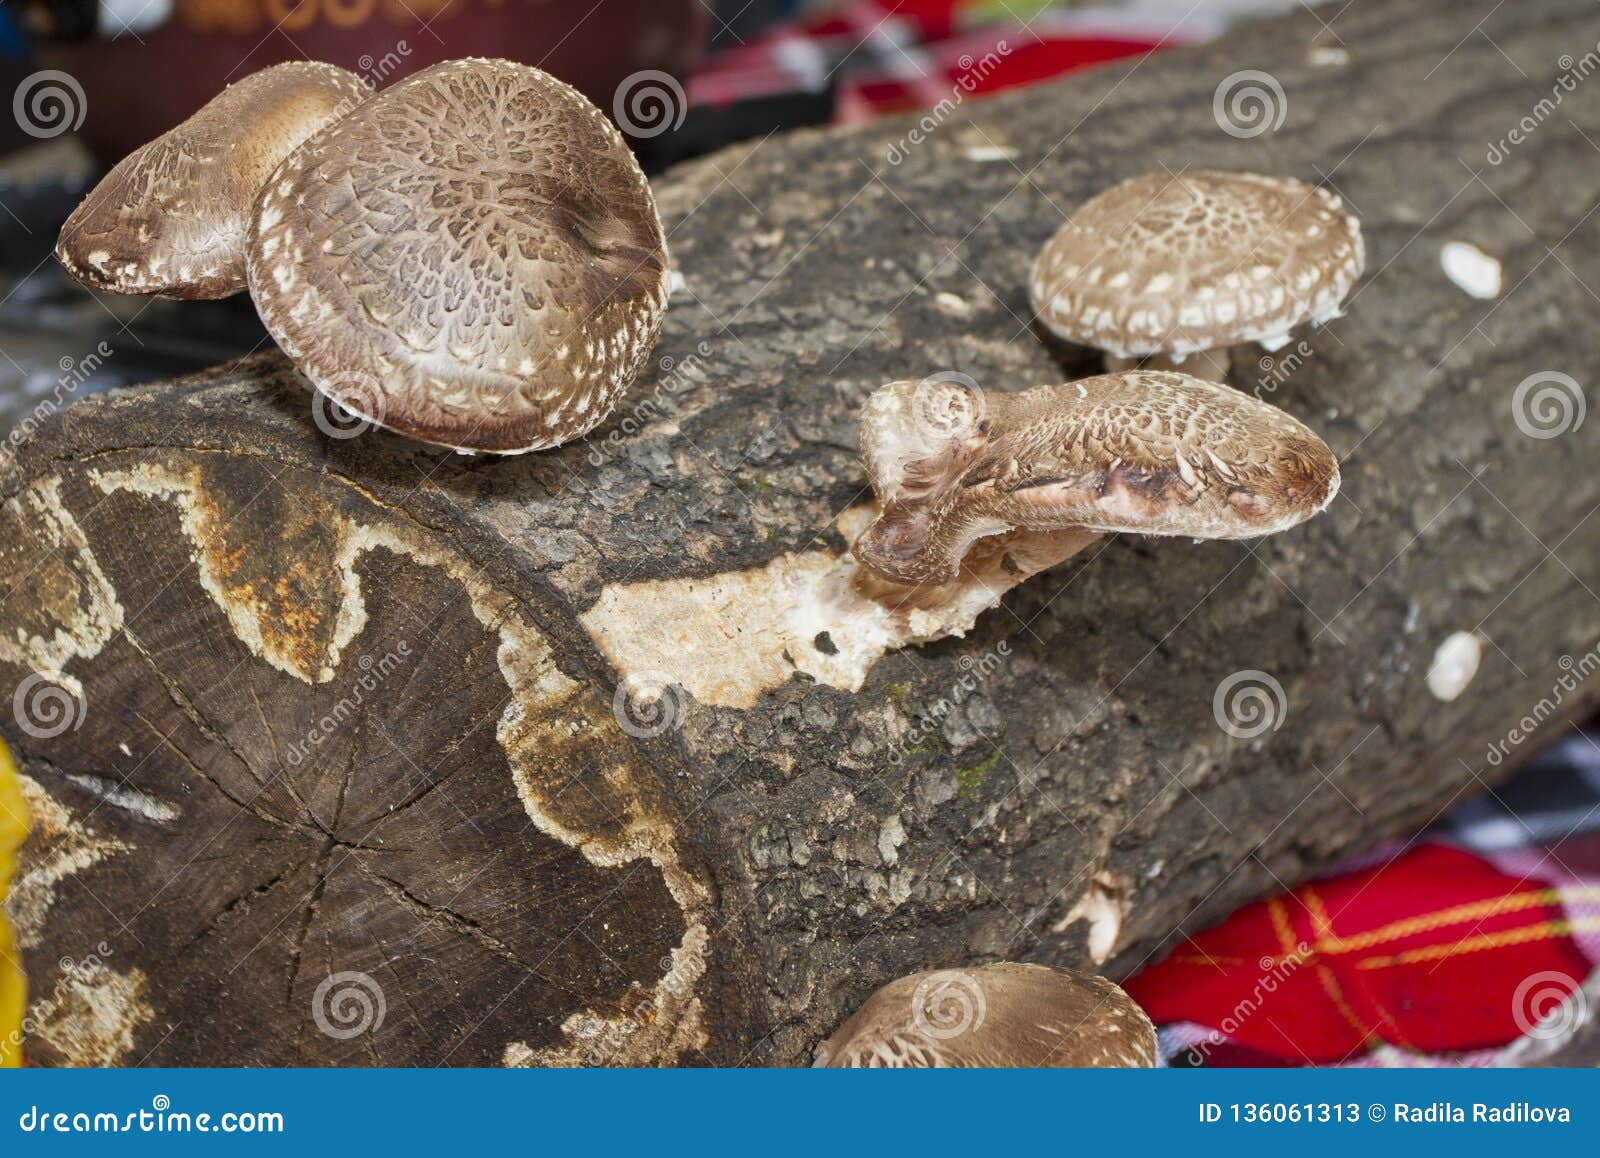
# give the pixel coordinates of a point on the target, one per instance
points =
(359, 760)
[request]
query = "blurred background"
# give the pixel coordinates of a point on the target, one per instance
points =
(1519, 869)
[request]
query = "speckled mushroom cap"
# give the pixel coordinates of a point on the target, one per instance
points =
(1151, 452)
(1176, 263)
(472, 258)
(998, 1015)
(171, 219)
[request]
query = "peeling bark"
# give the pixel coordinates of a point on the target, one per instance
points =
(352, 707)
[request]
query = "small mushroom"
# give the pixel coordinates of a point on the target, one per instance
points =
(1003, 1015)
(472, 258)
(1168, 267)
(1153, 452)
(172, 217)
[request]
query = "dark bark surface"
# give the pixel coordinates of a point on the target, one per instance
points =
(341, 707)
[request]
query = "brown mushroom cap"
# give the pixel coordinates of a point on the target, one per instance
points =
(1177, 263)
(172, 217)
(1007, 1014)
(472, 258)
(1145, 451)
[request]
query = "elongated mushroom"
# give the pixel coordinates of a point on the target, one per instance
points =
(1007, 1014)
(472, 258)
(1151, 452)
(171, 218)
(1168, 267)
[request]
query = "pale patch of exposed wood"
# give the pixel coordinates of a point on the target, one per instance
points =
(728, 638)
(59, 846)
(94, 1014)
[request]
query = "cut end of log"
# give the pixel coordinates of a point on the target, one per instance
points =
(275, 696)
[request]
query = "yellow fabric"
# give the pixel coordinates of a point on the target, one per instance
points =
(13, 984)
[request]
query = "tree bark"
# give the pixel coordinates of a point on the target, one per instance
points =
(540, 758)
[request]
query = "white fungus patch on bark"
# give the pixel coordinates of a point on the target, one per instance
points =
(1455, 663)
(1472, 271)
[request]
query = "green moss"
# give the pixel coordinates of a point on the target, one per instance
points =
(971, 779)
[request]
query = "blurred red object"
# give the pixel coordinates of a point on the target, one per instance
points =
(878, 57)
(1476, 945)
(138, 86)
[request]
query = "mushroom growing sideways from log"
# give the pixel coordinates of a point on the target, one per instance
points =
(1003, 1015)
(1152, 452)
(1172, 266)
(976, 493)
(171, 219)
(472, 258)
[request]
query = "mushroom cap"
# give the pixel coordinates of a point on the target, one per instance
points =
(1007, 1014)
(472, 258)
(1176, 263)
(171, 219)
(1147, 451)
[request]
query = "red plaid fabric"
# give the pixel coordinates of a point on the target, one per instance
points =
(1465, 948)
(879, 56)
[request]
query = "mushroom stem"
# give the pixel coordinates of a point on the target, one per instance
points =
(1212, 365)
(866, 616)
(992, 567)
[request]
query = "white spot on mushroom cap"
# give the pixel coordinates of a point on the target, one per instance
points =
(1472, 270)
(1455, 663)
